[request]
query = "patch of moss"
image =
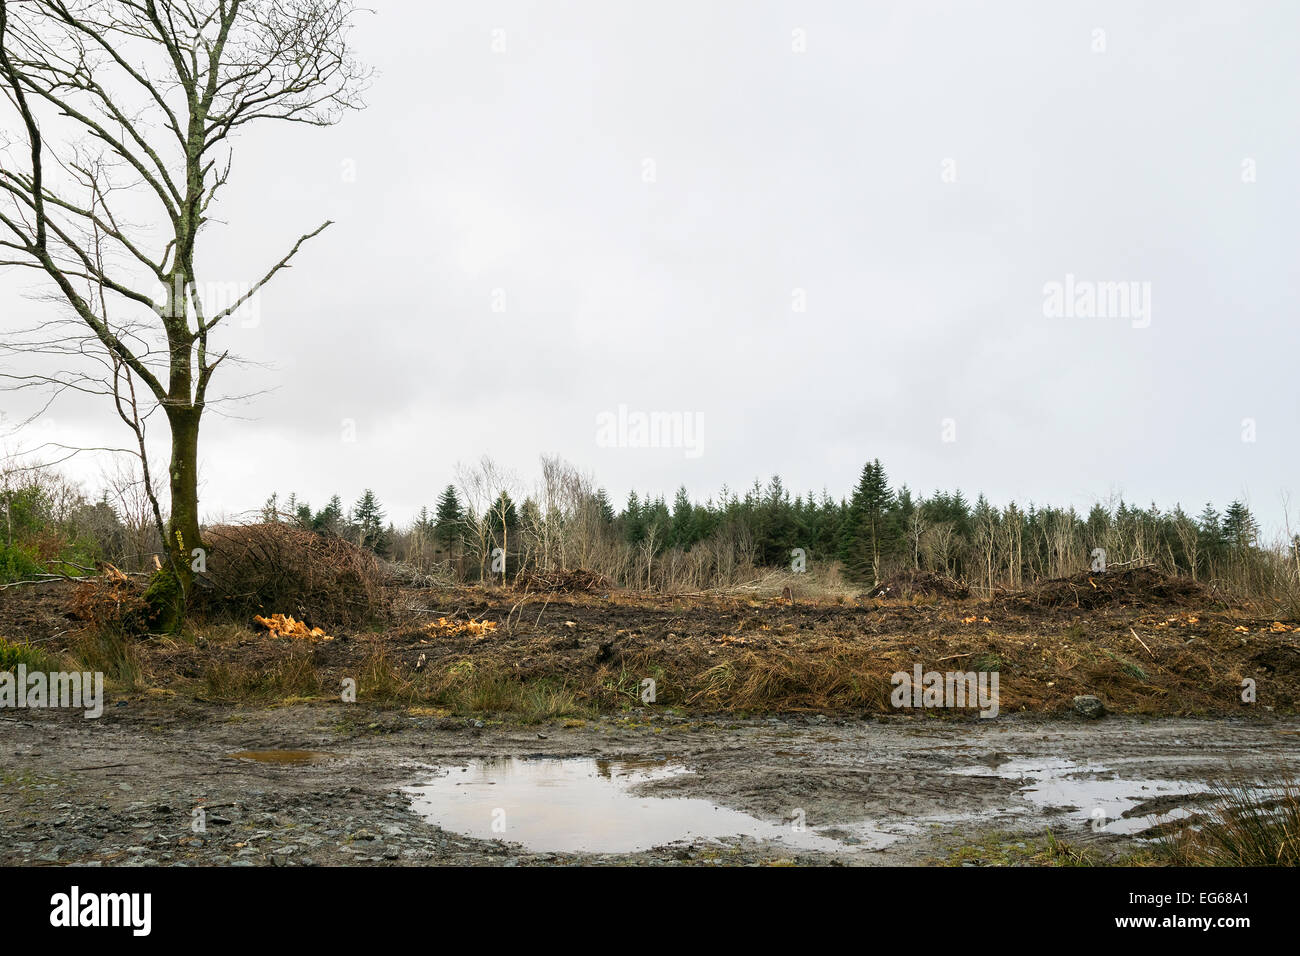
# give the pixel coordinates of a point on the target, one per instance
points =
(166, 602)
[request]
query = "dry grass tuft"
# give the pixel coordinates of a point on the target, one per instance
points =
(1250, 823)
(294, 677)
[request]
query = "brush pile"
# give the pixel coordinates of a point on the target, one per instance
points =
(920, 584)
(111, 601)
(1136, 587)
(321, 579)
(564, 581)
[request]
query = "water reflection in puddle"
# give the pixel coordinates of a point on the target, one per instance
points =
(587, 805)
(1065, 784)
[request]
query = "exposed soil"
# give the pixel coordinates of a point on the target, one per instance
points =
(122, 790)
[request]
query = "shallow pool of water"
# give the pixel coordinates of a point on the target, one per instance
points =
(1087, 790)
(587, 805)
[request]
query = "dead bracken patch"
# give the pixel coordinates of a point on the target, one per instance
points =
(446, 628)
(111, 601)
(280, 625)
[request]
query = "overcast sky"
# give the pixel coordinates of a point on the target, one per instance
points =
(818, 229)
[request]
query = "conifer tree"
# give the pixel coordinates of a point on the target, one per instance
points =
(604, 510)
(329, 520)
(368, 523)
(1211, 537)
(866, 537)
(450, 518)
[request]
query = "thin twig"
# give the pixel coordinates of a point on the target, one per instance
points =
(1142, 642)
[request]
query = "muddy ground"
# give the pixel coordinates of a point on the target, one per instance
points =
(122, 790)
(773, 707)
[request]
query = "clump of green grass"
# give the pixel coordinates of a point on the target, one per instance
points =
(1060, 853)
(1008, 849)
(986, 662)
(623, 690)
(34, 658)
(110, 650)
(545, 700)
(1249, 823)
(1128, 666)
(379, 679)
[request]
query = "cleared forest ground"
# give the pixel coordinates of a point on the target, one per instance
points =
(1143, 644)
(766, 710)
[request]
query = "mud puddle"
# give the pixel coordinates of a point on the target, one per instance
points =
(285, 758)
(920, 789)
(585, 805)
(1094, 793)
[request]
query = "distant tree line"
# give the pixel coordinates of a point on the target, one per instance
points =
(878, 530)
(483, 527)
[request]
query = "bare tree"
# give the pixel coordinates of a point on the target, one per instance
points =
(939, 542)
(1189, 537)
(916, 525)
(124, 489)
(132, 105)
(484, 487)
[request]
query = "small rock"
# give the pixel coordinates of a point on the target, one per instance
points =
(1089, 706)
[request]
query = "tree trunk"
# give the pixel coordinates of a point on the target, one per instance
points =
(183, 524)
(168, 591)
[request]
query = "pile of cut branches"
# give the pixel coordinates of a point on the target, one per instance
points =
(321, 579)
(563, 581)
(1142, 586)
(919, 584)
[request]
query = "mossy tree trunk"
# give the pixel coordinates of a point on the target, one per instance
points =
(184, 544)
